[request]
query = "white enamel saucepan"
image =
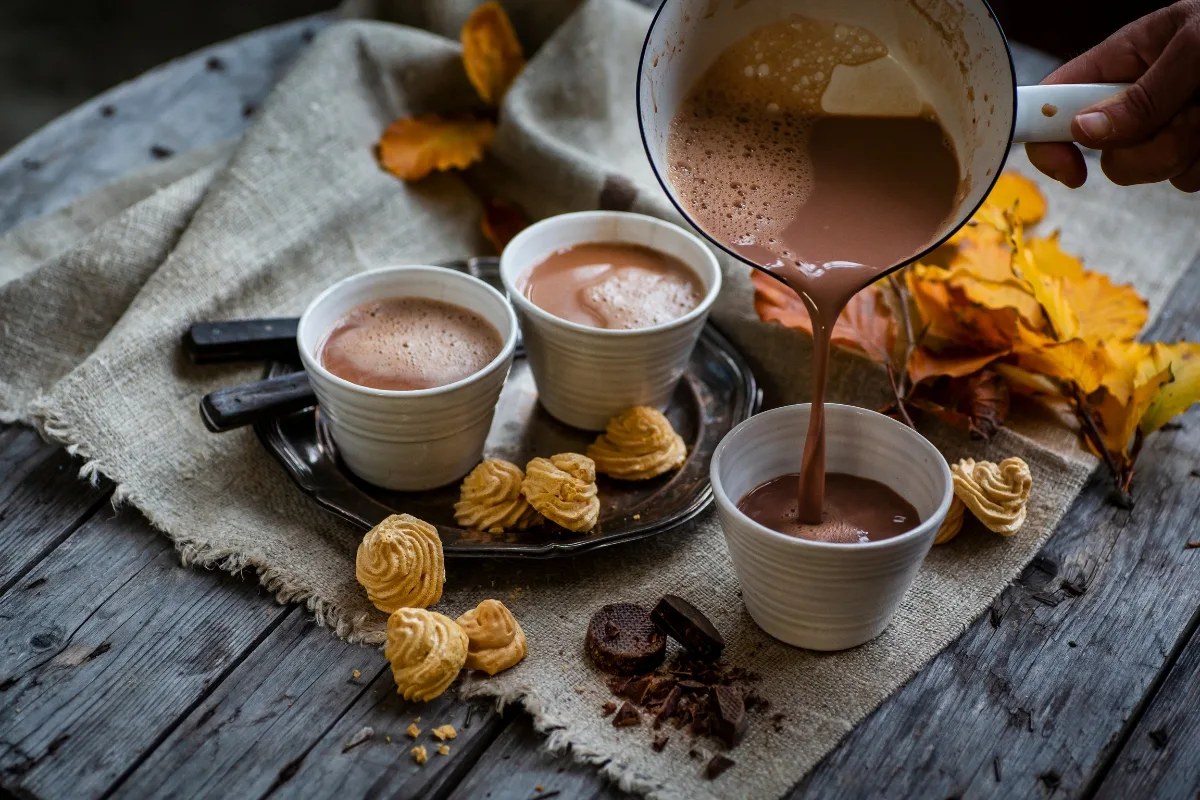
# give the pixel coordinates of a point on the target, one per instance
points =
(950, 55)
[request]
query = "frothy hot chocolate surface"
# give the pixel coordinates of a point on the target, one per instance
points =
(856, 509)
(613, 285)
(409, 343)
(825, 203)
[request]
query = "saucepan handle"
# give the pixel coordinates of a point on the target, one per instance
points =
(236, 406)
(1045, 111)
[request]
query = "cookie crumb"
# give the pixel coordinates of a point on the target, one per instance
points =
(356, 674)
(419, 755)
(445, 732)
(443, 749)
(387, 739)
(413, 731)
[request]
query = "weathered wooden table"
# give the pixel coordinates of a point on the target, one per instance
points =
(124, 674)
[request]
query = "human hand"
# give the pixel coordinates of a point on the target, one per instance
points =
(1151, 131)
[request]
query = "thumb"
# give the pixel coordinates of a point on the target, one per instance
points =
(1146, 106)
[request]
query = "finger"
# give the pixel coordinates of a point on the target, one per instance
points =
(1062, 162)
(1189, 179)
(1124, 56)
(1163, 156)
(1150, 103)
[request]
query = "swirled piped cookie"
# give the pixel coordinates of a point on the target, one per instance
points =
(563, 489)
(426, 649)
(996, 494)
(495, 639)
(490, 499)
(400, 564)
(638, 444)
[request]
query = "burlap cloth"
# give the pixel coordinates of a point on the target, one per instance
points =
(93, 301)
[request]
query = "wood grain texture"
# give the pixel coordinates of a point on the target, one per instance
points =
(41, 500)
(1161, 757)
(106, 646)
(517, 767)
(182, 105)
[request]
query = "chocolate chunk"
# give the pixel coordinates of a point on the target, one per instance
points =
(660, 687)
(728, 722)
(636, 689)
(621, 639)
(685, 623)
(668, 707)
(618, 684)
(626, 716)
(660, 742)
(608, 708)
(717, 765)
(694, 686)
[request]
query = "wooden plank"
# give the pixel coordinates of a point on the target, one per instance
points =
(42, 500)
(378, 767)
(1036, 698)
(1161, 757)
(517, 767)
(106, 647)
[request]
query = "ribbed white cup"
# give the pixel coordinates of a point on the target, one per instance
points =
(814, 594)
(586, 375)
(408, 440)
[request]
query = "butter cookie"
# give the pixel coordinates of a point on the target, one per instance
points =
(426, 649)
(400, 564)
(490, 499)
(638, 444)
(563, 489)
(496, 641)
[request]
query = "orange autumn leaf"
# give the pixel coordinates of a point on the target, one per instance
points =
(1028, 382)
(977, 402)
(865, 326)
(502, 221)
(1117, 419)
(411, 148)
(948, 315)
(1073, 361)
(492, 56)
(924, 363)
(1013, 191)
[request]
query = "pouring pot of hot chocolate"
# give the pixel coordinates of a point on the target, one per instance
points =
(942, 59)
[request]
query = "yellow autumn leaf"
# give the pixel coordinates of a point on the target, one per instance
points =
(945, 313)
(1074, 360)
(1117, 421)
(1105, 311)
(1183, 360)
(1051, 259)
(1013, 191)
(492, 56)
(1028, 382)
(1046, 288)
(411, 148)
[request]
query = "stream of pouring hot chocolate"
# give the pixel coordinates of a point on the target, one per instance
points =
(824, 203)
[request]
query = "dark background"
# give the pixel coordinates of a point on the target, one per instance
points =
(54, 54)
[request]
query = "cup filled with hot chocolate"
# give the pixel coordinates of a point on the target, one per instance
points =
(611, 305)
(834, 583)
(407, 364)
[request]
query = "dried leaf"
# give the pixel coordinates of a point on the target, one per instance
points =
(1105, 311)
(924, 364)
(948, 315)
(502, 221)
(491, 53)
(1073, 361)
(866, 325)
(412, 148)
(1177, 396)
(977, 402)
(1116, 420)
(1051, 260)
(1013, 191)
(1028, 382)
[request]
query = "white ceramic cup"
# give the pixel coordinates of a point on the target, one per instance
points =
(818, 595)
(587, 375)
(418, 439)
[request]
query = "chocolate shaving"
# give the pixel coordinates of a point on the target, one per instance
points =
(660, 742)
(636, 689)
(611, 631)
(717, 765)
(728, 720)
(669, 707)
(626, 716)
(608, 708)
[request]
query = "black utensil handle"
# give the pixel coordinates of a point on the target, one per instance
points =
(242, 340)
(226, 409)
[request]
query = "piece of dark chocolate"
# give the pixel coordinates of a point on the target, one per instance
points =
(687, 625)
(608, 708)
(617, 684)
(635, 689)
(626, 716)
(660, 742)
(728, 714)
(622, 639)
(668, 707)
(717, 765)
